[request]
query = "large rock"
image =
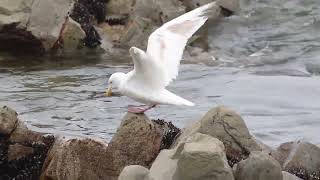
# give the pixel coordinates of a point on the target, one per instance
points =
(79, 159)
(33, 25)
(136, 142)
(299, 158)
(258, 166)
(227, 126)
(134, 172)
(22, 151)
(198, 157)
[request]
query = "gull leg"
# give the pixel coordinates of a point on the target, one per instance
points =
(139, 109)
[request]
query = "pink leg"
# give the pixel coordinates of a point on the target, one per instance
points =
(139, 109)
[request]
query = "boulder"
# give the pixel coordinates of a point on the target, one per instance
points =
(198, 157)
(258, 166)
(136, 142)
(299, 158)
(79, 159)
(134, 172)
(22, 151)
(35, 23)
(227, 126)
(288, 176)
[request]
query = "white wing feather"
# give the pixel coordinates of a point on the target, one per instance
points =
(167, 43)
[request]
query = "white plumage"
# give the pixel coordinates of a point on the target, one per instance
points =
(159, 65)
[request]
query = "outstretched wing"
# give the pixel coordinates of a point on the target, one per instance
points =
(166, 44)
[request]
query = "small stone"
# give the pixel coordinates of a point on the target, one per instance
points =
(134, 172)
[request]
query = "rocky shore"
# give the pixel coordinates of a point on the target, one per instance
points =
(218, 146)
(42, 26)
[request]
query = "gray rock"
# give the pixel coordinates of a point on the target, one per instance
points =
(198, 157)
(299, 158)
(8, 120)
(227, 126)
(288, 176)
(164, 166)
(258, 166)
(72, 36)
(134, 172)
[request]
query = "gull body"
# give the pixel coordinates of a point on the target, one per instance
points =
(159, 65)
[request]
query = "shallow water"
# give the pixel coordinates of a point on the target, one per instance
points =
(266, 68)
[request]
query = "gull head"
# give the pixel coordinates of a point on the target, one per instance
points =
(136, 52)
(114, 82)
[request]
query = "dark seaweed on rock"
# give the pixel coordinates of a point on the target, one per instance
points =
(84, 12)
(170, 133)
(25, 168)
(235, 157)
(303, 174)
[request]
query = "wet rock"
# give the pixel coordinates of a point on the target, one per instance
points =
(83, 13)
(227, 126)
(18, 151)
(137, 141)
(198, 157)
(80, 159)
(23, 157)
(8, 120)
(170, 132)
(288, 176)
(299, 158)
(134, 172)
(258, 166)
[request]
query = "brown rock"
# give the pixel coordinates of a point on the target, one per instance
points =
(80, 159)
(288, 176)
(137, 142)
(8, 120)
(17, 151)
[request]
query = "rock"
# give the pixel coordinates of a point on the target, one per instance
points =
(164, 166)
(137, 142)
(227, 126)
(72, 36)
(17, 151)
(258, 166)
(230, 5)
(79, 159)
(299, 158)
(134, 172)
(288, 176)
(8, 120)
(22, 151)
(198, 157)
(170, 132)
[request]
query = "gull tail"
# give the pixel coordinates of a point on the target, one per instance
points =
(177, 100)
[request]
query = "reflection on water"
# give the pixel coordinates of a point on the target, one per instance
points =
(268, 61)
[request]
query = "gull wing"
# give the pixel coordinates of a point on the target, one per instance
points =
(167, 43)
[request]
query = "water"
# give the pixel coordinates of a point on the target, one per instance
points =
(266, 68)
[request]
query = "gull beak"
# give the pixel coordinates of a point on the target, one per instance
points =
(109, 91)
